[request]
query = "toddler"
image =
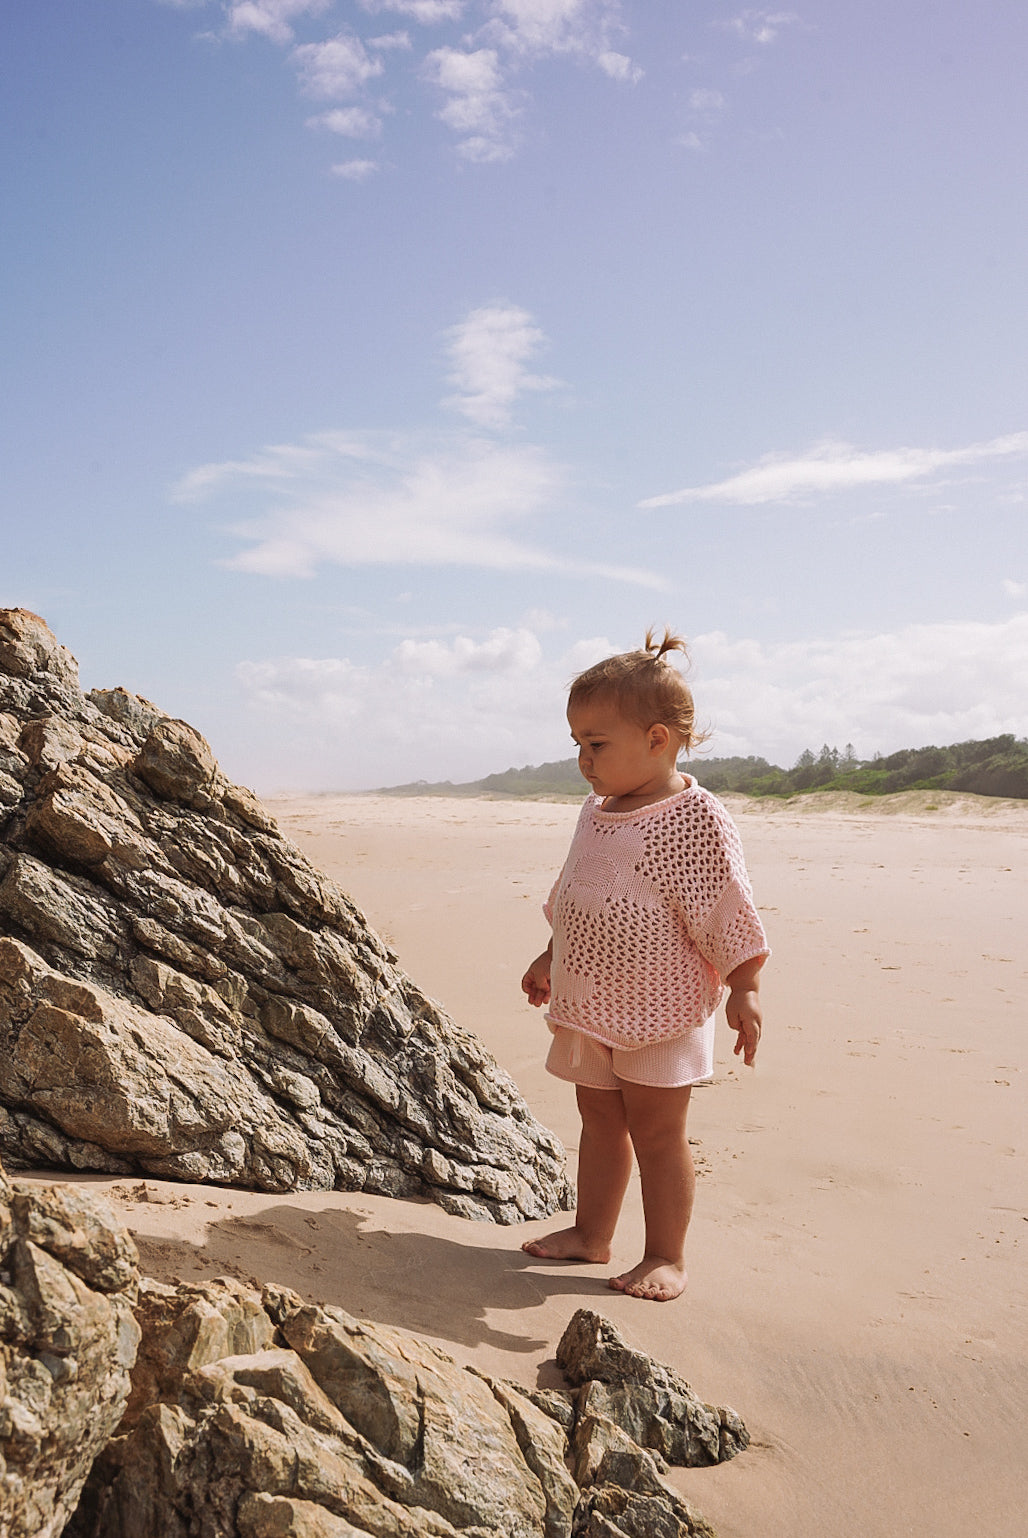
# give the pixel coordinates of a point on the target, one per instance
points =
(651, 915)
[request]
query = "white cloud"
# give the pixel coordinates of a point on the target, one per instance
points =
(426, 12)
(1014, 589)
(355, 170)
(619, 67)
(835, 467)
(583, 27)
(348, 499)
(479, 108)
(432, 709)
(475, 704)
(351, 122)
(335, 68)
(707, 103)
(390, 40)
(761, 27)
(489, 352)
(921, 684)
(270, 18)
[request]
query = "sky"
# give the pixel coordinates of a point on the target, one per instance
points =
(370, 367)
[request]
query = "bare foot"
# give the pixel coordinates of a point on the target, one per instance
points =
(567, 1244)
(653, 1278)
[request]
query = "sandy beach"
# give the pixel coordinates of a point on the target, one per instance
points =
(857, 1258)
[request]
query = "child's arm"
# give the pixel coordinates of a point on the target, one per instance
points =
(743, 1007)
(536, 981)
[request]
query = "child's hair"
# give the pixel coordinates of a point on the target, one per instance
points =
(644, 687)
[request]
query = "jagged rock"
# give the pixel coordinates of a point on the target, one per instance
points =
(68, 1278)
(261, 1416)
(649, 1401)
(183, 995)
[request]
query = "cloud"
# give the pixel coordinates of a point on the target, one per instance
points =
(355, 170)
(479, 108)
(833, 467)
(270, 18)
(761, 27)
(352, 122)
(584, 27)
(391, 40)
(707, 103)
(429, 709)
(349, 499)
(489, 352)
(427, 12)
(920, 684)
(335, 68)
(473, 703)
(1014, 589)
(619, 67)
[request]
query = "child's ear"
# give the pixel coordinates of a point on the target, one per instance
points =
(659, 737)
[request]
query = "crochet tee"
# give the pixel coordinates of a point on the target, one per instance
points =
(652, 909)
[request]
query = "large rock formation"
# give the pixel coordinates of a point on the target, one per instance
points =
(68, 1278)
(183, 995)
(260, 1416)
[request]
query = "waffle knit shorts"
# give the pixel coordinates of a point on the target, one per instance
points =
(581, 1059)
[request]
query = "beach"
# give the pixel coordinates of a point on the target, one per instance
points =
(857, 1256)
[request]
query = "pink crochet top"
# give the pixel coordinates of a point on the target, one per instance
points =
(652, 910)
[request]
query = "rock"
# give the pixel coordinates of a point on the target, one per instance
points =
(183, 995)
(651, 1402)
(68, 1278)
(262, 1416)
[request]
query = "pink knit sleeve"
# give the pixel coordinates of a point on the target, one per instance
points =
(717, 898)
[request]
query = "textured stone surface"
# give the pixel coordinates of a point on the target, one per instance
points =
(182, 994)
(68, 1338)
(261, 1416)
(649, 1401)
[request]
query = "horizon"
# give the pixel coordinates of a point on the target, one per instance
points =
(374, 366)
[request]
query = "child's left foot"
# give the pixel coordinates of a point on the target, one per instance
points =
(653, 1278)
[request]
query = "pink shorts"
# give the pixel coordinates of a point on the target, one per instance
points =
(581, 1059)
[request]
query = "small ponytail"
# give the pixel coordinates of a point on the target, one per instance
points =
(646, 687)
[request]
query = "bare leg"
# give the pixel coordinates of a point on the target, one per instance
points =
(604, 1167)
(656, 1121)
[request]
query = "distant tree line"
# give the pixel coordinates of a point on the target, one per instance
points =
(996, 767)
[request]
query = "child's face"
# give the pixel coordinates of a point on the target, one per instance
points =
(617, 756)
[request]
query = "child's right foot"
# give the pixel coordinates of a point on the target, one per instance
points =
(567, 1244)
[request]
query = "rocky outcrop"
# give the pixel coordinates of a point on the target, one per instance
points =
(183, 995)
(68, 1278)
(261, 1416)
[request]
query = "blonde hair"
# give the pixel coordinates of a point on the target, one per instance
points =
(644, 687)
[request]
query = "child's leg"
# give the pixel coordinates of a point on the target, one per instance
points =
(604, 1167)
(656, 1122)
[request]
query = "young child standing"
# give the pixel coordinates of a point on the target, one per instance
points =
(651, 915)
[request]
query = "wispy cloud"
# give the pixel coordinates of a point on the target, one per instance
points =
(833, 467)
(270, 18)
(335, 68)
(361, 499)
(760, 27)
(427, 13)
(489, 352)
(479, 106)
(480, 68)
(355, 170)
(351, 122)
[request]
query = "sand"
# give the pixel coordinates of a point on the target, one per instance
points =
(857, 1258)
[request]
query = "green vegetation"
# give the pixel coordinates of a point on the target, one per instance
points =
(996, 767)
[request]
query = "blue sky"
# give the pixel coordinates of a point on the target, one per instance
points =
(371, 367)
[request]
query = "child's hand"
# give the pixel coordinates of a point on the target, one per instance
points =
(743, 1011)
(536, 981)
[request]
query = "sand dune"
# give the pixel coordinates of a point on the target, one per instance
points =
(857, 1257)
